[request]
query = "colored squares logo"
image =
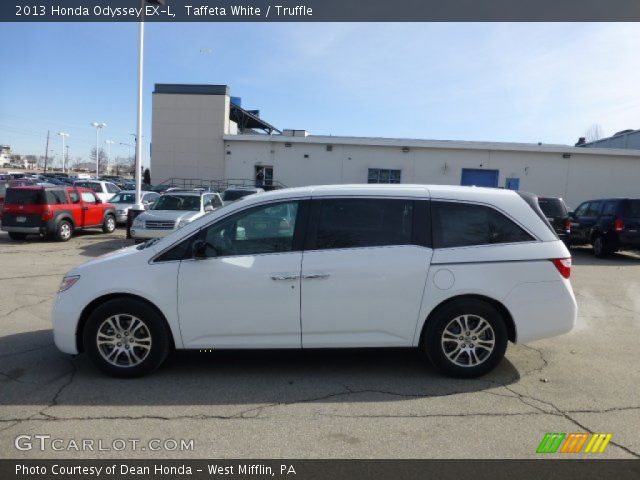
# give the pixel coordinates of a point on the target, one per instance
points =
(574, 443)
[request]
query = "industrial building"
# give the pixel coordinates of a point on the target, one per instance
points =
(200, 132)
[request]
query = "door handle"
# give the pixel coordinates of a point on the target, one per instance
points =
(285, 276)
(318, 275)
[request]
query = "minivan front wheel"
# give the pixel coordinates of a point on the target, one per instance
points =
(466, 338)
(126, 338)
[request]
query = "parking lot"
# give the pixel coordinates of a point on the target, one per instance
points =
(328, 404)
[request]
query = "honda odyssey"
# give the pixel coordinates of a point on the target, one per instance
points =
(456, 272)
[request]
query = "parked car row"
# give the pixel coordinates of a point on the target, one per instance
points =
(608, 225)
(57, 211)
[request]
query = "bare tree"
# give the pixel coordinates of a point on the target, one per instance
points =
(593, 133)
(102, 159)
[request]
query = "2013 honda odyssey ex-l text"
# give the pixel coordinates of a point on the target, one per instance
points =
(454, 271)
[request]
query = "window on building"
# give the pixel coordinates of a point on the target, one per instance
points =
(355, 223)
(464, 224)
(383, 175)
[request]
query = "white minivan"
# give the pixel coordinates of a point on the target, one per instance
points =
(454, 271)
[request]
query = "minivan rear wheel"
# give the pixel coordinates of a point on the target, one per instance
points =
(126, 338)
(466, 338)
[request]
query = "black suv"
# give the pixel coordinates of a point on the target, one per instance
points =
(557, 213)
(608, 224)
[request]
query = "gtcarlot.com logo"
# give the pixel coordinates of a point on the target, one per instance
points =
(574, 443)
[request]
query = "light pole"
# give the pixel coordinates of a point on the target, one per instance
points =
(63, 135)
(98, 126)
(138, 206)
(109, 143)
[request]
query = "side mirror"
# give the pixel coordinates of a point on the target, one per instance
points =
(98, 201)
(572, 214)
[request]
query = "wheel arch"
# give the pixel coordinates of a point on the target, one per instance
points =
(86, 312)
(504, 312)
(65, 216)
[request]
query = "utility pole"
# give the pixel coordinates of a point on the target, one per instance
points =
(46, 153)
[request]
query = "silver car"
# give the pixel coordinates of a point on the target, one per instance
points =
(172, 211)
(126, 199)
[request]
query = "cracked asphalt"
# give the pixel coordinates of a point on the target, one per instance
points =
(329, 404)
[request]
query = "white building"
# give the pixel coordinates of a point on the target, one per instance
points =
(199, 133)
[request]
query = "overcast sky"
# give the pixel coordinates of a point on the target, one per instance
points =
(499, 82)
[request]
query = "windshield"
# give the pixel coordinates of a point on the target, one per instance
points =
(90, 185)
(178, 202)
(124, 198)
(552, 207)
(231, 195)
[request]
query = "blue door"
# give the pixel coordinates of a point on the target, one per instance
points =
(479, 177)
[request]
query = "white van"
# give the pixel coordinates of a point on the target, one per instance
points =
(454, 271)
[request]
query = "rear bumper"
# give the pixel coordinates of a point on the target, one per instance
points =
(33, 230)
(542, 309)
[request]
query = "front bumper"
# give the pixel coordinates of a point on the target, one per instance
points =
(65, 323)
(147, 234)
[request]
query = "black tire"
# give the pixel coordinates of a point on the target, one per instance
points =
(109, 224)
(17, 236)
(127, 310)
(475, 310)
(601, 247)
(64, 231)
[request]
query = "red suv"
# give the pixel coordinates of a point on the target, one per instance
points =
(54, 212)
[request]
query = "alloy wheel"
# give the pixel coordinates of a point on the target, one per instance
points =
(123, 340)
(468, 340)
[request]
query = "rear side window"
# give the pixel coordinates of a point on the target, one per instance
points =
(96, 187)
(24, 197)
(553, 207)
(594, 209)
(610, 208)
(354, 223)
(56, 197)
(464, 224)
(632, 209)
(111, 188)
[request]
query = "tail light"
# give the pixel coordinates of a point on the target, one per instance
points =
(563, 265)
(47, 214)
(618, 225)
(567, 225)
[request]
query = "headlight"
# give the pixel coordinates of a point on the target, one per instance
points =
(138, 223)
(182, 223)
(68, 282)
